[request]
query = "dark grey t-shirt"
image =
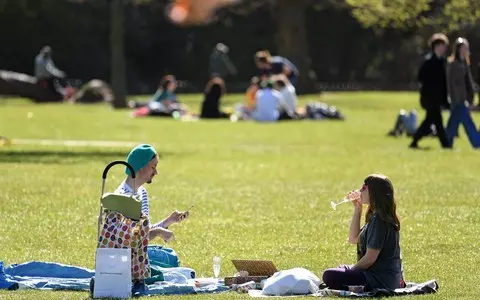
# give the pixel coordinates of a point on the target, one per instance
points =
(386, 272)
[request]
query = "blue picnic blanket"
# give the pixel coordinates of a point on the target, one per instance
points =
(56, 276)
(45, 275)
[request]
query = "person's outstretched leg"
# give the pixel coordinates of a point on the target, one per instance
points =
(438, 121)
(340, 278)
(470, 128)
(453, 123)
(423, 130)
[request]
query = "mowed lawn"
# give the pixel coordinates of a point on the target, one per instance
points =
(261, 191)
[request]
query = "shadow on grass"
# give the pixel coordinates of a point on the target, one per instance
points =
(421, 148)
(64, 156)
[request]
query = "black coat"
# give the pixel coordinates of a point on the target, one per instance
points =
(211, 104)
(433, 80)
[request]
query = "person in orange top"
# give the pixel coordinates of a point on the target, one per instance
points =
(244, 110)
(251, 91)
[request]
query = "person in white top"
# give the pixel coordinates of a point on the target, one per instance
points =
(283, 85)
(144, 160)
(48, 75)
(269, 102)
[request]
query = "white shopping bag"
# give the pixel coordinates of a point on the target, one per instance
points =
(113, 273)
(298, 281)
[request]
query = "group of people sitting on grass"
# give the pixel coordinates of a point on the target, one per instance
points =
(378, 265)
(271, 96)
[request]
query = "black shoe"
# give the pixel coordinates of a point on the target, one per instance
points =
(92, 286)
(393, 133)
(413, 145)
(139, 288)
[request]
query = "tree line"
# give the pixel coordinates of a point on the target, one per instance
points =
(332, 42)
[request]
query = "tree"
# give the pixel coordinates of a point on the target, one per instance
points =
(291, 34)
(444, 15)
(403, 14)
(117, 50)
(117, 53)
(291, 39)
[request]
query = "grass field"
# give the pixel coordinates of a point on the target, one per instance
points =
(261, 191)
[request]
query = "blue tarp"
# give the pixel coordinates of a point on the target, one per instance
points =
(55, 276)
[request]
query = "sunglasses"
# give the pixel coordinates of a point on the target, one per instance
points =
(363, 188)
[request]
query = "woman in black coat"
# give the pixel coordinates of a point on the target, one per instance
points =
(211, 103)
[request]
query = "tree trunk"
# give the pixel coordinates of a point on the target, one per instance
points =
(292, 40)
(117, 53)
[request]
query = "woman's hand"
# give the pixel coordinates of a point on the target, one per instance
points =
(358, 205)
(354, 232)
(355, 197)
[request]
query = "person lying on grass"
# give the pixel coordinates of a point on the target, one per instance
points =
(379, 262)
(144, 160)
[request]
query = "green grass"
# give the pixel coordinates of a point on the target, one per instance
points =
(261, 191)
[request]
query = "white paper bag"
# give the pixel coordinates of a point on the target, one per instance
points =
(113, 273)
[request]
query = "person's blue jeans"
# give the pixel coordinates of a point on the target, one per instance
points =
(460, 114)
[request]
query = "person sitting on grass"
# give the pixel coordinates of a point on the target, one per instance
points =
(164, 102)
(268, 104)
(119, 232)
(283, 85)
(379, 263)
(211, 103)
(252, 89)
(244, 111)
(166, 91)
(144, 160)
(49, 76)
(406, 122)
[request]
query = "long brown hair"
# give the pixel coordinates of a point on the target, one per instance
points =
(456, 51)
(382, 199)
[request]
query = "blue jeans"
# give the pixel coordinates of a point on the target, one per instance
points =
(460, 114)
